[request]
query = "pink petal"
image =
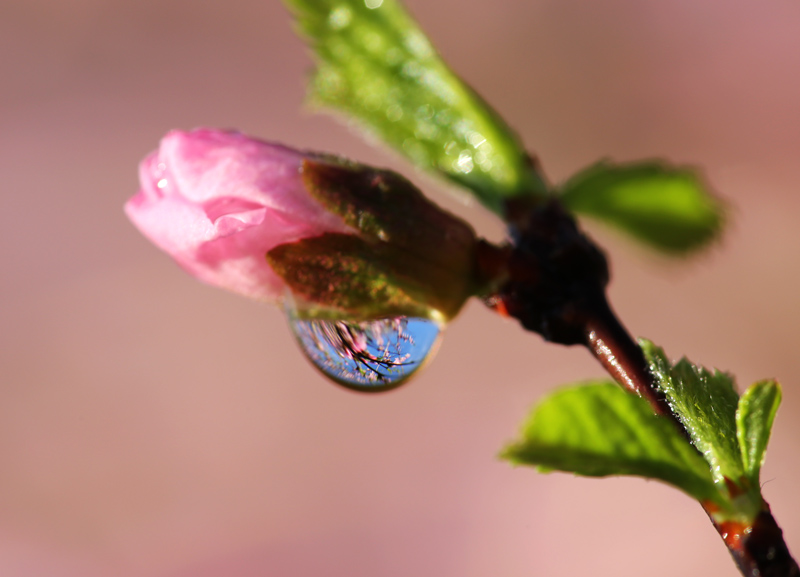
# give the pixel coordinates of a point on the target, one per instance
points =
(218, 201)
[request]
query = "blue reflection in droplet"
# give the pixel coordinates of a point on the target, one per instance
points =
(370, 356)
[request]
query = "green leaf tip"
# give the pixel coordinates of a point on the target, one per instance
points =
(754, 418)
(731, 432)
(667, 207)
(705, 402)
(376, 65)
(597, 429)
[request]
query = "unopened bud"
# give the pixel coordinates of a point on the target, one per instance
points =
(261, 219)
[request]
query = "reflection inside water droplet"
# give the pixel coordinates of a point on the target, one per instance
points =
(370, 356)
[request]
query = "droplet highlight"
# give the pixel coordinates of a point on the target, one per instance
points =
(340, 17)
(367, 356)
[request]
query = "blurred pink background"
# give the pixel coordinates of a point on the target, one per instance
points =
(151, 426)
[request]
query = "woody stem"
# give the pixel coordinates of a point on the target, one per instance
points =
(553, 281)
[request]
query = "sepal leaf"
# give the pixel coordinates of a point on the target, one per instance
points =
(665, 206)
(404, 256)
(597, 429)
(344, 276)
(377, 66)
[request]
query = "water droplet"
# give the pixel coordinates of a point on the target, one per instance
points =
(426, 131)
(418, 45)
(476, 139)
(372, 42)
(340, 17)
(411, 69)
(444, 118)
(464, 163)
(463, 128)
(394, 113)
(368, 356)
(425, 112)
(393, 56)
(438, 85)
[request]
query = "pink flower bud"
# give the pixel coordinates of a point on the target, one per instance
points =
(218, 201)
(260, 219)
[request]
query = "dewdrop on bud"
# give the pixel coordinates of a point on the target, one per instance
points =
(374, 270)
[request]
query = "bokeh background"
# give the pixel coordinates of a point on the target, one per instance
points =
(151, 426)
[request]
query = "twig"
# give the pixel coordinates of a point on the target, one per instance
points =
(554, 283)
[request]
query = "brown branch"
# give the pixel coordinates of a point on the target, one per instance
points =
(758, 549)
(624, 360)
(553, 282)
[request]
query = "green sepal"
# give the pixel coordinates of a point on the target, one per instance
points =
(412, 245)
(385, 207)
(754, 418)
(597, 429)
(345, 276)
(705, 402)
(667, 207)
(375, 65)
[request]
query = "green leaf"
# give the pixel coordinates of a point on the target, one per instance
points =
(665, 206)
(705, 402)
(597, 429)
(754, 418)
(376, 65)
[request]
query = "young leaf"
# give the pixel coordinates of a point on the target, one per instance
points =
(667, 207)
(754, 418)
(376, 65)
(705, 403)
(597, 429)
